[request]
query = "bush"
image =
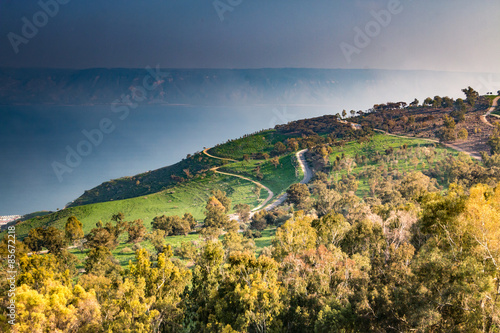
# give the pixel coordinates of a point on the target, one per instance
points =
(126, 250)
(136, 247)
(248, 234)
(187, 250)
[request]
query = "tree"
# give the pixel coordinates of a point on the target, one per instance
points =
(202, 297)
(331, 229)
(187, 250)
(279, 148)
(447, 102)
(173, 225)
(471, 95)
(292, 144)
(157, 239)
(428, 101)
(235, 242)
(103, 236)
(458, 263)
(494, 141)
(259, 221)
(415, 185)
(100, 262)
(326, 200)
(299, 195)
(56, 307)
(275, 161)
(243, 211)
(297, 234)
(215, 218)
(162, 284)
(462, 134)
(189, 218)
(449, 122)
(348, 163)
(256, 190)
(344, 113)
(35, 239)
(437, 102)
(73, 229)
(131, 310)
(249, 296)
(136, 231)
(119, 217)
(50, 238)
(223, 199)
(365, 238)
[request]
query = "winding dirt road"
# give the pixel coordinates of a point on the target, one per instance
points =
(307, 177)
(302, 163)
(490, 110)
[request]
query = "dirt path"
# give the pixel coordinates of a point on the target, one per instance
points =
(307, 177)
(490, 110)
(217, 158)
(269, 197)
(302, 163)
(270, 193)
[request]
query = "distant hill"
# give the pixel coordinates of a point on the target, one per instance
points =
(219, 86)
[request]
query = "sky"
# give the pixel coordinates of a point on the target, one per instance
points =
(448, 35)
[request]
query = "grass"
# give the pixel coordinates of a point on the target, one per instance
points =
(265, 240)
(490, 98)
(278, 179)
(380, 143)
(174, 241)
(147, 183)
(125, 258)
(262, 142)
(186, 197)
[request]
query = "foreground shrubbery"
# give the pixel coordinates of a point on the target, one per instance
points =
(428, 264)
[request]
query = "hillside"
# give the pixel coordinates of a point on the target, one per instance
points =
(194, 166)
(190, 196)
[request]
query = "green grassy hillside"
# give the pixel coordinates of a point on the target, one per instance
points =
(416, 159)
(148, 182)
(278, 178)
(186, 197)
(262, 142)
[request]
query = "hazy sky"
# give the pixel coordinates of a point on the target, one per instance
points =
(450, 35)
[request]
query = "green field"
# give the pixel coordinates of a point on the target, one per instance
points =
(379, 143)
(186, 197)
(262, 142)
(278, 179)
